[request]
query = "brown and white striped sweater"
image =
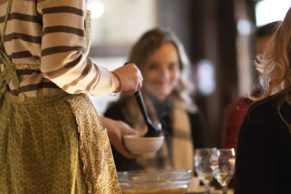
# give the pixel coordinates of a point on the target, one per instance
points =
(50, 34)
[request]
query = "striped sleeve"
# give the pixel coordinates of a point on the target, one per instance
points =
(62, 57)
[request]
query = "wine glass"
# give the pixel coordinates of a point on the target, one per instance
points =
(222, 165)
(202, 165)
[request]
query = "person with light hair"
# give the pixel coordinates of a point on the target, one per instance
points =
(264, 144)
(166, 89)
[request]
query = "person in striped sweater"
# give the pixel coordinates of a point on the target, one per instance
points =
(51, 138)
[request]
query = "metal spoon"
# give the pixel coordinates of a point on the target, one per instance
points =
(154, 130)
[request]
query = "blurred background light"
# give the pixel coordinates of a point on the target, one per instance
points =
(244, 27)
(206, 77)
(271, 10)
(97, 8)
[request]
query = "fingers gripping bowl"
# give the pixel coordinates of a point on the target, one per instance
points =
(143, 145)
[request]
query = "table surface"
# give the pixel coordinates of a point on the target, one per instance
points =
(212, 191)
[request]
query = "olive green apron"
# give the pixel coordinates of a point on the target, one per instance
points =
(53, 145)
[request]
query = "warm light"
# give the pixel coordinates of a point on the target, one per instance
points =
(271, 10)
(244, 27)
(97, 8)
(206, 77)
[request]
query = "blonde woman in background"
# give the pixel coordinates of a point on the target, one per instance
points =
(163, 63)
(264, 144)
(51, 138)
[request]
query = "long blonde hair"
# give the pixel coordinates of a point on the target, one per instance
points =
(274, 64)
(149, 43)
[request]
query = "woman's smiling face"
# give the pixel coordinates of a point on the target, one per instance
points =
(162, 71)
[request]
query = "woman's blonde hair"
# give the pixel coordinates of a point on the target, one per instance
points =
(274, 64)
(149, 43)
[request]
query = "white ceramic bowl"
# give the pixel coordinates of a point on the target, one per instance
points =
(143, 145)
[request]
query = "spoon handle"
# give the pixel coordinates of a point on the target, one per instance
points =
(141, 105)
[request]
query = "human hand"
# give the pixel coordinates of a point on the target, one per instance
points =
(116, 130)
(127, 78)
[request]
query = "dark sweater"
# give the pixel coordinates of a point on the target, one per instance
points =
(263, 164)
(165, 115)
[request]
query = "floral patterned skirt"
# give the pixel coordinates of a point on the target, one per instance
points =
(54, 145)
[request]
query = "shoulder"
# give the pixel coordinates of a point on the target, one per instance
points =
(121, 108)
(196, 114)
(270, 111)
(267, 106)
(114, 110)
(114, 105)
(241, 104)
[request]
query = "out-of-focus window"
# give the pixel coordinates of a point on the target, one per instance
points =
(206, 77)
(115, 26)
(118, 22)
(271, 10)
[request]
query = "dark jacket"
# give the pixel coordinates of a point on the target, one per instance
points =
(263, 164)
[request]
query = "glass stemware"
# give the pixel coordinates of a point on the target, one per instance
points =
(202, 165)
(223, 165)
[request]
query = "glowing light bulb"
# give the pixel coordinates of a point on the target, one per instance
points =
(97, 9)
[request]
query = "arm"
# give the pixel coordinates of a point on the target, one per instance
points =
(63, 60)
(233, 121)
(255, 162)
(122, 160)
(116, 130)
